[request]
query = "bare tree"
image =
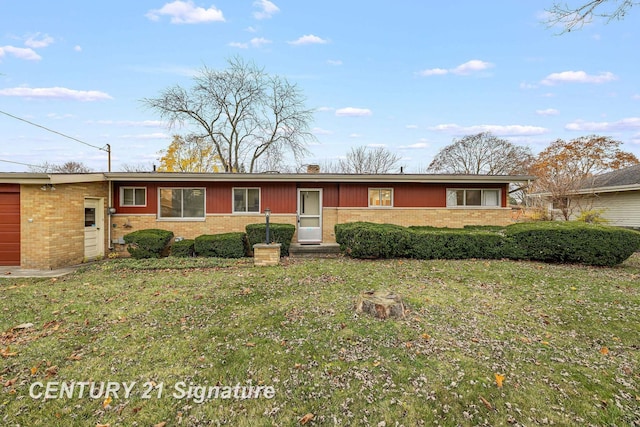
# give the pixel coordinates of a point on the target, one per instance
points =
(243, 112)
(68, 167)
(482, 153)
(575, 17)
(367, 160)
(137, 167)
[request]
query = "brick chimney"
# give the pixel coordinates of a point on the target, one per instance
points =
(313, 168)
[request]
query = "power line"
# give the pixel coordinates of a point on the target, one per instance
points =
(19, 163)
(53, 131)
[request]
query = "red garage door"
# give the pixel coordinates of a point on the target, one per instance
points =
(9, 224)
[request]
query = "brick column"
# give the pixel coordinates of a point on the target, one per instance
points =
(264, 254)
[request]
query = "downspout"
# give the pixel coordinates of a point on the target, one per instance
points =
(109, 214)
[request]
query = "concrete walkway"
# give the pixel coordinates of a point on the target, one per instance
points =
(17, 272)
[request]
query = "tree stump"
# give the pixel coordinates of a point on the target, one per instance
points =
(381, 304)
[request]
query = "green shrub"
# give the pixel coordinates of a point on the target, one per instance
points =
(278, 233)
(226, 245)
(562, 242)
(183, 248)
(371, 240)
(571, 242)
(149, 243)
(455, 244)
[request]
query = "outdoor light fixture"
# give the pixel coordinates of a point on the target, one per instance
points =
(111, 211)
(267, 214)
(46, 187)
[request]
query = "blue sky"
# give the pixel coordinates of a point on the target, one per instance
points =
(407, 75)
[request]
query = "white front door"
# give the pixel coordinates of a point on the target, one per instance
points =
(93, 232)
(309, 215)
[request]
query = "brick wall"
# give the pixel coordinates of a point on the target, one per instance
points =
(52, 223)
(213, 224)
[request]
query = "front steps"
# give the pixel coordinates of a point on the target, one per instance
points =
(320, 250)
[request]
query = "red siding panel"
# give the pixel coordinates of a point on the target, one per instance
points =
(279, 197)
(9, 227)
(353, 196)
(419, 196)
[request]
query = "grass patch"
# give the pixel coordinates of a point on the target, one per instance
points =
(564, 337)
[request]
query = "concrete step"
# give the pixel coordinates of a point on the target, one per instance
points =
(319, 250)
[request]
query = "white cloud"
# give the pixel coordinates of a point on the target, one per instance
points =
(355, 135)
(376, 145)
(266, 9)
(353, 112)
(498, 130)
(308, 39)
(251, 30)
(185, 12)
(548, 112)
(334, 62)
(471, 67)
(56, 93)
(636, 96)
(38, 40)
(620, 125)
(577, 77)
(239, 45)
(320, 131)
(416, 146)
(77, 48)
(259, 42)
(321, 109)
(465, 69)
(411, 126)
(20, 52)
(256, 42)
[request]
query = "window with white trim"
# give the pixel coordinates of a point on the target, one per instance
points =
(181, 203)
(133, 196)
(380, 197)
(246, 200)
(472, 197)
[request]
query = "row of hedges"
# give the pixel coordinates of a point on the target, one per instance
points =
(563, 242)
(154, 243)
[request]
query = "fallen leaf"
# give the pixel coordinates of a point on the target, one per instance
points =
(486, 403)
(308, 417)
(499, 379)
(426, 337)
(51, 371)
(74, 357)
(161, 424)
(376, 363)
(250, 344)
(34, 370)
(7, 352)
(11, 382)
(107, 402)
(604, 350)
(103, 425)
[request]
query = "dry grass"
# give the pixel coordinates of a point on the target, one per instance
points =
(563, 341)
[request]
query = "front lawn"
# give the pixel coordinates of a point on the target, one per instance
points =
(562, 341)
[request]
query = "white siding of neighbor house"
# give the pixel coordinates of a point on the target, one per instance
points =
(621, 209)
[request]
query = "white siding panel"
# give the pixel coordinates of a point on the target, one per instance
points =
(621, 209)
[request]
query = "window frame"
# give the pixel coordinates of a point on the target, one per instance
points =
(134, 205)
(379, 189)
(182, 218)
(246, 194)
(482, 198)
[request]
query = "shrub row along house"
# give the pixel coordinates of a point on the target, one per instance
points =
(53, 220)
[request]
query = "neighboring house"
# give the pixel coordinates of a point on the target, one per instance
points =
(53, 220)
(616, 194)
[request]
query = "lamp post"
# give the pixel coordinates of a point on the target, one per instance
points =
(267, 214)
